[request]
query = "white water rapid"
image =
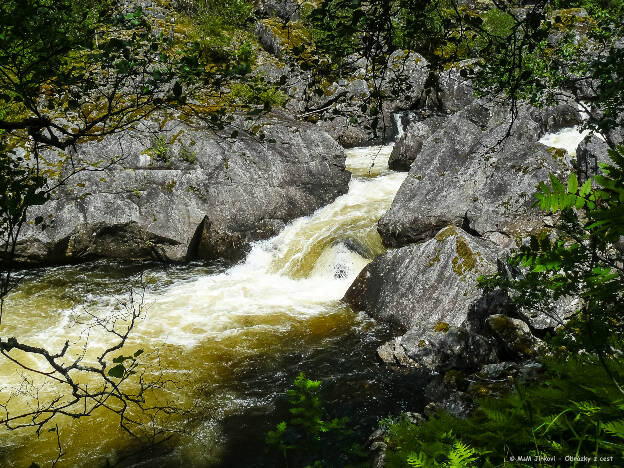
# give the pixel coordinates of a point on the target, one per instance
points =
(199, 327)
(567, 139)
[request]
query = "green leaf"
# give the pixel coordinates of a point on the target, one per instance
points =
(572, 184)
(138, 353)
(585, 188)
(118, 371)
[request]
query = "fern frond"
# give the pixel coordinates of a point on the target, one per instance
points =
(615, 428)
(462, 456)
(417, 460)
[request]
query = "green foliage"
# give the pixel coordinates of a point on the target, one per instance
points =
(125, 365)
(217, 16)
(551, 49)
(257, 93)
(307, 437)
(244, 58)
(64, 63)
(576, 411)
(216, 22)
(375, 29)
(160, 150)
(498, 23)
(579, 258)
(20, 188)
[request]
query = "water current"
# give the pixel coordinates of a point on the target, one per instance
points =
(230, 338)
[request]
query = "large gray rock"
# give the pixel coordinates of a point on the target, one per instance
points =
(451, 91)
(590, 153)
(425, 284)
(409, 145)
(285, 9)
(467, 174)
(185, 192)
(450, 348)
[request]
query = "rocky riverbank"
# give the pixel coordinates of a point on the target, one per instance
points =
(178, 192)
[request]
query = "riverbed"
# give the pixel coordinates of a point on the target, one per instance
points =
(229, 339)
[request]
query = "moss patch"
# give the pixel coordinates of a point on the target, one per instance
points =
(446, 233)
(466, 259)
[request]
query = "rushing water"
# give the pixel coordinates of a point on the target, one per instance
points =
(567, 139)
(231, 338)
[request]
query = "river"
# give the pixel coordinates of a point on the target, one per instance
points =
(231, 339)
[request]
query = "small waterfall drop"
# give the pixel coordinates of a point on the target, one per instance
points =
(288, 289)
(567, 139)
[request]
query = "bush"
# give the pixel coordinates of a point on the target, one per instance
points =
(216, 20)
(576, 411)
(160, 150)
(308, 438)
(258, 93)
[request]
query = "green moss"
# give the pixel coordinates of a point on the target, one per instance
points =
(441, 327)
(196, 191)
(466, 259)
(436, 257)
(170, 186)
(446, 233)
(557, 153)
(293, 37)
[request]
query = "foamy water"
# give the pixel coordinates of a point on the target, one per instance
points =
(567, 139)
(288, 286)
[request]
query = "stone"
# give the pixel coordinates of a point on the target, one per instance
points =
(181, 192)
(411, 142)
(444, 398)
(440, 350)
(592, 151)
(452, 92)
(424, 284)
(514, 336)
(288, 10)
(393, 353)
(468, 175)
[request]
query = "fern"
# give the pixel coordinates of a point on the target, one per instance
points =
(577, 409)
(615, 428)
(462, 456)
(417, 460)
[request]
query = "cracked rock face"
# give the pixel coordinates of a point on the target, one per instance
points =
(515, 336)
(184, 192)
(425, 284)
(464, 175)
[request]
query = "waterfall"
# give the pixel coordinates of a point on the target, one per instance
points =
(288, 286)
(567, 139)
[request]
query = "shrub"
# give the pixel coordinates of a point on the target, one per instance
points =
(160, 150)
(576, 411)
